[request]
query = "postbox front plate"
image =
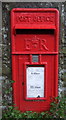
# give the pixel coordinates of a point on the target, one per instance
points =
(34, 34)
(35, 82)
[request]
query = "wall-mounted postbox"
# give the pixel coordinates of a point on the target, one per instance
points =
(34, 34)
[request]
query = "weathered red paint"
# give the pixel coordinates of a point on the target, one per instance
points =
(34, 31)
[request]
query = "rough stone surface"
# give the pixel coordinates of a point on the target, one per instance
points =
(64, 75)
(6, 43)
(0, 60)
(32, 1)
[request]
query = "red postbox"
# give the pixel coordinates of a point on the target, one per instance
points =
(35, 36)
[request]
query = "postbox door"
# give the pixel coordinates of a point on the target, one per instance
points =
(41, 97)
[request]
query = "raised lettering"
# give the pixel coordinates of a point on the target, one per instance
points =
(43, 44)
(27, 44)
(36, 43)
(34, 19)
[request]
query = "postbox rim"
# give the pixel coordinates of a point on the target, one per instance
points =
(35, 9)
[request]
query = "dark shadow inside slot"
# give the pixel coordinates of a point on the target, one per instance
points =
(34, 31)
(35, 65)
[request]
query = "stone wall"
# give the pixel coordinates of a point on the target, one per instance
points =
(6, 46)
(64, 48)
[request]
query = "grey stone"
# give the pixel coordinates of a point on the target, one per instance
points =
(33, 1)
